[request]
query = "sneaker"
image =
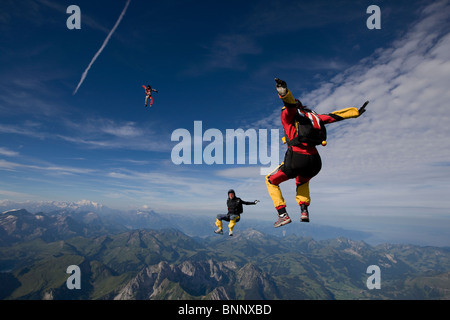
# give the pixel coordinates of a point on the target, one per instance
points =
(230, 233)
(282, 220)
(218, 231)
(305, 214)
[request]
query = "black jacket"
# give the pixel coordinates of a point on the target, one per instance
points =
(235, 205)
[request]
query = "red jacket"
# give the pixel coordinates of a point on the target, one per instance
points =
(148, 91)
(289, 112)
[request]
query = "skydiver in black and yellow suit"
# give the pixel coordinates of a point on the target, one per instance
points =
(235, 209)
(302, 160)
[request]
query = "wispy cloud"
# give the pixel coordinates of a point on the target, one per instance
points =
(18, 92)
(112, 134)
(24, 130)
(12, 195)
(170, 189)
(8, 153)
(95, 133)
(83, 76)
(55, 169)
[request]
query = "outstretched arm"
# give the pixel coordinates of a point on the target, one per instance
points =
(285, 94)
(290, 105)
(342, 114)
(249, 202)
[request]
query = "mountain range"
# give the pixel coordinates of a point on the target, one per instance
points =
(129, 260)
(99, 219)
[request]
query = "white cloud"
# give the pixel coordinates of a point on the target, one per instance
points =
(242, 172)
(8, 153)
(54, 169)
(126, 130)
(110, 134)
(16, 94)
(12, 194)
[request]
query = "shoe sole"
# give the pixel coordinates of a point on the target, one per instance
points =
(282, 223)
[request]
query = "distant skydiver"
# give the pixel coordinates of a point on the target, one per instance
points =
(304, 129)
(235, 209)
(148, 92)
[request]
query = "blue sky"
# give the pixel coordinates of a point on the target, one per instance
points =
(214, 61)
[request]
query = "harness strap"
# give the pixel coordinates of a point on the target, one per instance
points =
(315, 121)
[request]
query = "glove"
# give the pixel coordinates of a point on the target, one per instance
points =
(256, 201)
(363, 108)
(281, 87)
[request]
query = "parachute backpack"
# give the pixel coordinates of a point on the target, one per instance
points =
(310, 129)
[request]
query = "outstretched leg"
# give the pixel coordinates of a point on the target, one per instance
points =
(309, 167)
(303, 198)
(272, 181)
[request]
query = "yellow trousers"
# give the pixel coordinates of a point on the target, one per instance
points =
(231, 225)
(302, 192)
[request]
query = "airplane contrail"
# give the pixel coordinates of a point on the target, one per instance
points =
(83, 76)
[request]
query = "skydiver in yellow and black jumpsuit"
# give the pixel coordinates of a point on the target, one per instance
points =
(234, 205)
(302, 160)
